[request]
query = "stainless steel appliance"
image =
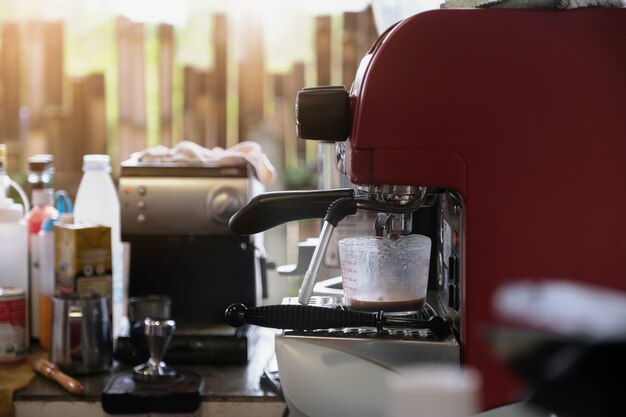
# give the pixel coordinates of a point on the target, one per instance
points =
(175, 217)
(519, 132)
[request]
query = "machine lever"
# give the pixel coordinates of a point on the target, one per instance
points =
(299, 317)
(274, 208)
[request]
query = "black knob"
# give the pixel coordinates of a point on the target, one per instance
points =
(236, 315)
(323, 113)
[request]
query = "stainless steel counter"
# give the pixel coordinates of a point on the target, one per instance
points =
(227, 390)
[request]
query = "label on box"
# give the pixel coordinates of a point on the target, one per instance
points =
(83, 259)
(100, 284)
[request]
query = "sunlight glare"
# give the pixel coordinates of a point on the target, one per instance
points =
(153, 11)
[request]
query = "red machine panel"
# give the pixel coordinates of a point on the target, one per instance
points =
(523, 113)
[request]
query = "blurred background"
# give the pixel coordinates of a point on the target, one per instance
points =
(95, 76)
(98, 76)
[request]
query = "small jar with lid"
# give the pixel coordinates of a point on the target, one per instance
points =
(40, 172)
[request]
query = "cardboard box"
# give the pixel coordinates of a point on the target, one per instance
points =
(83, 259)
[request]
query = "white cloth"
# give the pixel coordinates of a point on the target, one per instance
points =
(187, 152)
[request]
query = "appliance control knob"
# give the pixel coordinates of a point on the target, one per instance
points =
(223, 203)
(323, 113)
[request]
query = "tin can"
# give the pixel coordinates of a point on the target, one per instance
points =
(12, 325)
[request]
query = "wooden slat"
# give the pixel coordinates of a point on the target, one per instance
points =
(33, 49)
(166, 80)
(220, 45)
(131, 87)
(349, 48)
(200, 106)
(189, 97)
(297, 84)
(67, 135)
(138, 75)
(58, 126)
(323, 50)
(251, 78)
(282, 114)
(44, 74)
(124, 67)
(10, 79)
(279, 87)
(58, 140)
(53, 61)
(76, 142)
(209, 113)
(95, 117)
(271, 137)
(190, 90)
(43, 69)
(293, 82)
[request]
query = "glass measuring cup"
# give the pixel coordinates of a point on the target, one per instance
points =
(385, 274)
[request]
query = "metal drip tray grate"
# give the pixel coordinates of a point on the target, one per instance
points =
(386, 333)
(372, 333)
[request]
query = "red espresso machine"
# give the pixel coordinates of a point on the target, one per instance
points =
(520, 115)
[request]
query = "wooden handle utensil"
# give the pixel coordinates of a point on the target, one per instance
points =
(51, 371)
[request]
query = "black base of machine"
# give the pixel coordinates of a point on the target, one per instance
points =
(125, 395)
(193, 349)
(202, 275)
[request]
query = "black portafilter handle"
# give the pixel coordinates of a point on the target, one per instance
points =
(274, 208)
(299, 317)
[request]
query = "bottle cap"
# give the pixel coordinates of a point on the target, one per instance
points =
(96, 163)
(40, 163)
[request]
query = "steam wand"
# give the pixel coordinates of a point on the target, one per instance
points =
(338, 210)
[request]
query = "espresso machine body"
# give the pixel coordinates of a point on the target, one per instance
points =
(175, 218)
(520, 115)
(498, 133)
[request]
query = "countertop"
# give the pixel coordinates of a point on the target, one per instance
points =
(231, 390)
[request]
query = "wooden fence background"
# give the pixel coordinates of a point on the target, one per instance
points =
(43, 110)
